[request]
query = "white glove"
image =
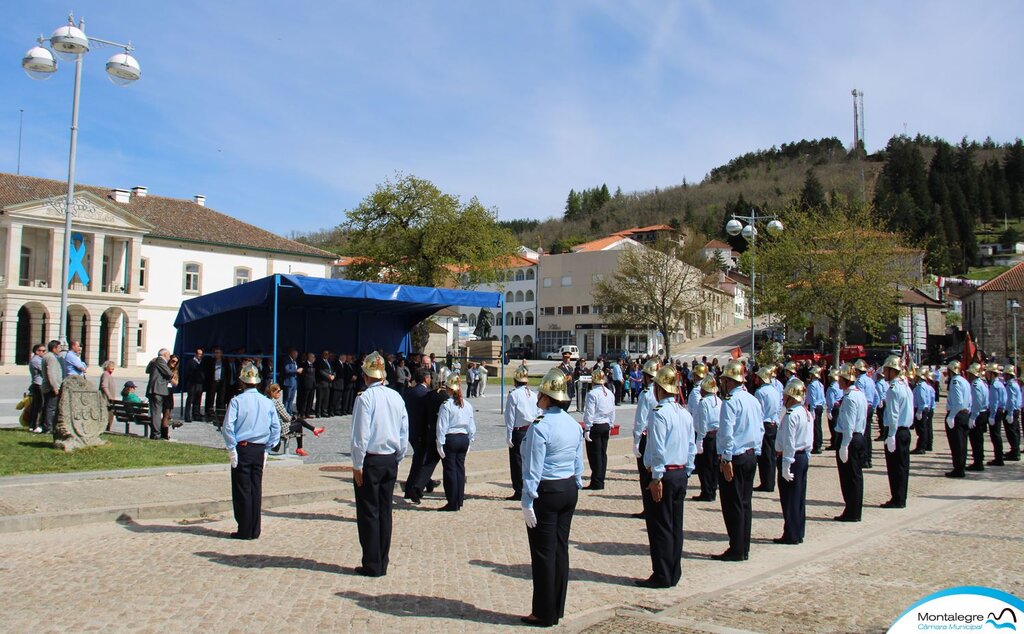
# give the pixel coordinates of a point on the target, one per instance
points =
(586, 436)
(510, 443)
(992, 420)
(970, 423)
(265, 454)
(844, 454)
(233, 454)
(440, 450)
(787, 475)
(700, 448)
(890, 444)
(918, 415)
(949, 421)
(636, 451)
(530, 517)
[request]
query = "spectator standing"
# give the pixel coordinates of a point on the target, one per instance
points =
(307, 385)
(107, 388)
(617, 378)
(35, 387)
(403, 376)
(216, 383)
(481, 380)
(324, 377)
(195, 380)
(290, 380)
(156, 391)
(73, 359)
(471, 379)
(53, 377)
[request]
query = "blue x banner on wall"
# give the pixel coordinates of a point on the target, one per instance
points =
(76, 260)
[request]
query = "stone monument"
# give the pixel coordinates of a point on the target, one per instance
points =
(81, 415)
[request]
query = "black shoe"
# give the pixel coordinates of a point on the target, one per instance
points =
(701, 498)
(360, 570)
(638, 516)
(728, 556)
(891, 505)
(1012, 457)
(411, 499)
(843, 518)
(956, 474)
(995, 463)
(236, 535)
(976, 467)
(785, 540)
(448, 508)
(515, 497)
(651, 583)
(534, 622)
(866, 466)
(765, 489)
(918, 452)
(815, 451)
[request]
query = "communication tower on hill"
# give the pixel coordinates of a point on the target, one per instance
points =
(858, 119)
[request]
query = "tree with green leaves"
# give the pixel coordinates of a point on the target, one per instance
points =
(655, 287)
(834, 266)
(410, 232)
(812, 196)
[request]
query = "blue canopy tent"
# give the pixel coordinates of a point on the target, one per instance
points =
(312, 314)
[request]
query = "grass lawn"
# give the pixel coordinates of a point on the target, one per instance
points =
(986, 272)
(27, 453)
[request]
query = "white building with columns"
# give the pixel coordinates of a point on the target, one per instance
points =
(141, 255)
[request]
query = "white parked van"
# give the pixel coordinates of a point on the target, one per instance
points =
(556, 355)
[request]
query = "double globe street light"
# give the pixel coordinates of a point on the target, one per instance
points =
(70, 43)
(736, 227)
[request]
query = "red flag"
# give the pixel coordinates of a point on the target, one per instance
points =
(970, 350)
(736, 353)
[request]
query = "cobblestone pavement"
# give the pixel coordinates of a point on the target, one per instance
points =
(471, 569)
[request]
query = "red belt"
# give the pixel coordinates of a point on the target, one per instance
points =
(520, 428)
(674, 467)
(246, 443)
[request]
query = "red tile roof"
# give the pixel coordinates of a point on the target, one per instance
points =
(172, 218)
(717, 244)
(598, 245)
(1012, 280)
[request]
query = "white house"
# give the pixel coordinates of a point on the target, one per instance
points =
(135, 257)
(517, 282)
(716, 249)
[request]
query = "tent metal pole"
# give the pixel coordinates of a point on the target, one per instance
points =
(501, 359)
(273, 361)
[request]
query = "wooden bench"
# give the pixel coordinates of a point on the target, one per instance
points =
(131, 413)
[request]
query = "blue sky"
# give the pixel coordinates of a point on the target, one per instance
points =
(288, 113)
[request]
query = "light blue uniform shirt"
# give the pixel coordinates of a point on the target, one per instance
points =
(74, 364)
(707, 416)
(777, 384)
(881, 387)
(251, 417)
(853, 414)
(669, 438)
(520, 409)
(924, 396)
(552, 450)
(867, 386)
(815, 395)
(899, 407)
(833, 395)
(959, 397)
(1013, 396)
(795, 434)
(643, 409)
(616, 370)
(452, 419)
(380, 424)
(599, 407)
(693, 402)
(740, 426)
(996, 396)
(770, 401)
(979, 398)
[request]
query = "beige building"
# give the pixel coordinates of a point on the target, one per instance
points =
(988, 315)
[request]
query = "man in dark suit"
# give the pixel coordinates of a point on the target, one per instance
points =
(337, 385)
(156, 391)
(391, 372)
(217, 379)
(324, 377)
(416, 404)
(350, 372)
(431, 405)
(195, 379)
(307, 385)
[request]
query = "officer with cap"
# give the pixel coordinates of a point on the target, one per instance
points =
(645, 404)
(833, 396)
(997, 413)
(959, 405)
(598, 418)
(706, 428)
(793, 442)
(1013, 405)
(380, 439)
(867, 387)
(693, 398)
(850, 426)
(520, 412)
(552, 477)
(669, 456)
(898, 417)
(924, 408)
(789, 371)
(978, 424)
(740, 433)
(251, 427)
(815, 404)
(881, 387)
(771, 410)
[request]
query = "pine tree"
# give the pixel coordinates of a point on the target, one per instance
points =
(812, 196)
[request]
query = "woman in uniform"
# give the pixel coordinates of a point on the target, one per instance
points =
(552, 476)
(456, 429)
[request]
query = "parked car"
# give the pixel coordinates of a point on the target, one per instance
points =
(520, 353)
(556, 355)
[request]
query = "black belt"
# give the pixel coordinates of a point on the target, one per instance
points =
(802, 451)
(713, 432)
(770, 422)
(520, 428)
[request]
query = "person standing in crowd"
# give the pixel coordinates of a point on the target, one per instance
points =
(520, 411)
(867, 387)
(73, 359)
(598, 417)
(898, 416)
(850, 422)
(481, 385)
(816, 405)
(380, 439)
(739, 440)
(195, 382)
(403, 376)
(617, 379)
(390, 371)
(307, 386)
(552, 477)
(108, 390)
(795, 439)
(471, 378)
(693, 398)
(997, 413)
(324, 378)
(417, 403)
(881, 387)
(168, 402)
(35, 388)
(567, 369)
(706, 429)
(336, 403)
(53, 378)
(636, 382)
(669, 456)
(833, 396)
(771, 402)
(978, 423)
(351, 379)
(160, 374)
(217, 373)
(645, 404)
(1012, 422)
(291, 425)
(959, 405)
(924, 408)
(456, 430)
(251, 427)
(290, 374)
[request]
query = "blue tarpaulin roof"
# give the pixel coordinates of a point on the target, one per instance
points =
(314, 314)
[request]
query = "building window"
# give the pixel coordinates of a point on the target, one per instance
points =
(566, 280)
(547, 310)
(519, 296)
(520, 276)
(243, 275)
(547, 282)
(583, 310)
(529, 318)
(498, 319)
(519, 319)
(191, 283)
(140, 336)
(529, 274)
(596, 309)
(144, 274)
(509, 298)
(529, 296)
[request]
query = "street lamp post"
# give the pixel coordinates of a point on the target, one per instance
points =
(71, 43)
(736, 227)
(1014, 306)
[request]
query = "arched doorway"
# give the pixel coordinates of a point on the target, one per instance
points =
(31, 329)
(113, 337)
(77, 326)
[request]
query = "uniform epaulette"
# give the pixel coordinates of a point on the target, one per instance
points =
(657, 407)
(727, 397)
(538, 419)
